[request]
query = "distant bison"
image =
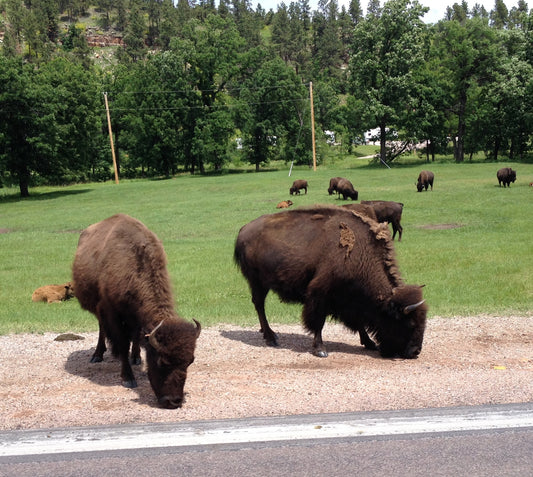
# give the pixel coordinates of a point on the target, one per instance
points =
(297, 185)
(120, 275)
(346, 189)
(388, 211)
(53, 293)
(425, 179)
(284, 204)
(333, 185)
(335, 262)
(506, 175)
(363, 209)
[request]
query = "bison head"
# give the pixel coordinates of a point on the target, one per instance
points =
(403, 332)
(169, 352)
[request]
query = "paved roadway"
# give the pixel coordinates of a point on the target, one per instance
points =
(466, 441)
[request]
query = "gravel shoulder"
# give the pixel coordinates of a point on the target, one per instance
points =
(464, 361)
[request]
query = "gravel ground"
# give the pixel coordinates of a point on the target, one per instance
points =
(464, 361)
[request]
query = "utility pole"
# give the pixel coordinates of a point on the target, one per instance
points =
(111, 138)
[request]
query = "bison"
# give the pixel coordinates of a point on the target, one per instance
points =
(53, 293)
(120, 275)
(425, 179)
(297, 185)
(388, 211)
(333, 185)
(346, 189)
(506, 175)
(284, 204)
(335, 262)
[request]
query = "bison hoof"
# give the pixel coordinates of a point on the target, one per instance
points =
(320, 353)
(273, 343)
(370, 345)
(130, 384)
(96, 359)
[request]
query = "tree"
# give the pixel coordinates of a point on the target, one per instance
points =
(386, 52)
(468, 55)
(273, 105)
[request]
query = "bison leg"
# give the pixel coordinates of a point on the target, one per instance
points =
(366, 341)
(397, 228)
(136, 350)
(101, 348)
(258, 298)
(314, 319)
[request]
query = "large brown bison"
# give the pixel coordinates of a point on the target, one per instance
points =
(333, 185)
(120, 275)
(505, 176)
(388, 211)
(335, 262)
(425, 179)
(346, 189)
(297, 185)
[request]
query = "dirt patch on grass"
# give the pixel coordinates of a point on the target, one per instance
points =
(464, 361)
(440, 226)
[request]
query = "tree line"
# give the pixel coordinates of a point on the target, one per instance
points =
(194, 85)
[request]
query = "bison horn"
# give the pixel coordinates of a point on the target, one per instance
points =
(409, 308)
(198, 327)
(151, 337)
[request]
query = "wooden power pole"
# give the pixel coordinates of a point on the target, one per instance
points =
(111, 138)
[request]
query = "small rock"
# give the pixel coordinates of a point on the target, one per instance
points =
(68, 337)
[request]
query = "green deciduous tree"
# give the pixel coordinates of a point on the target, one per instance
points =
(387, 51)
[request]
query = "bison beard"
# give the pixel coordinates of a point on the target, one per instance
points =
(338, 263)
(121, 277)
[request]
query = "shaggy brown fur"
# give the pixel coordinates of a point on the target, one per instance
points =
(362, 209)
(120, 275)
(53, 293)
(335, 262)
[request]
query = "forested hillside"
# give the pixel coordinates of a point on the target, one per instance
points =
(195, 86)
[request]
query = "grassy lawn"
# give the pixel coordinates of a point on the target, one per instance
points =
(469, 241)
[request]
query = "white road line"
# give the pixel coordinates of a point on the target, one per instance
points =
(53, 441)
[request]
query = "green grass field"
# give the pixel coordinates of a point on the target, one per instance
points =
(469, 241)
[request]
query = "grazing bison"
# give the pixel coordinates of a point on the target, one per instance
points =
(425, 179)
(506, 175)
(335, 262)
(284, 204)
(53, 293)
(362, 209)
(297, 185)
(333, 185)
(120, 275)
(345, 188)
(388, 211)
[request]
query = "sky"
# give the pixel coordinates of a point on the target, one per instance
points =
(436, 7)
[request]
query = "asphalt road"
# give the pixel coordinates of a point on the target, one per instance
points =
(466, 441)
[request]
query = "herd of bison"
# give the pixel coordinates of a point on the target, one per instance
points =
(335, 261)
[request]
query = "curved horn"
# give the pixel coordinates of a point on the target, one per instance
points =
(409, 308)
(151, 337)
(198, 327)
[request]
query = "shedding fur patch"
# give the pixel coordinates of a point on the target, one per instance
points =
(347, 239)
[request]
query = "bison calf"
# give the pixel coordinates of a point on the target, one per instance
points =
(425, 180)
(505, 176)
(120, 275)
(338, 263)
(53, 293)
(297, 185)
(284, 204)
